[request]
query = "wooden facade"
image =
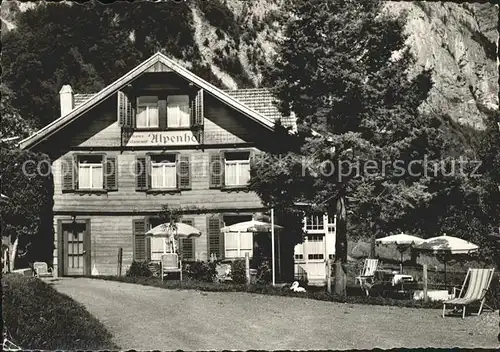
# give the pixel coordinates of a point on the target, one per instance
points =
(92, 224)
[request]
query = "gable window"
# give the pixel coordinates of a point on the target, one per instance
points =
(237, 168)
(147, 112)
(90, 172)
(163, 171)
(178, 111)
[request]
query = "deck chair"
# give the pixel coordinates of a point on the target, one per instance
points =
(170, 263)
(367, 274)
(40, 269)
(478, 282)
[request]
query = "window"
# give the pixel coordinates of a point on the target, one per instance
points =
(315, 256)
(147, 112)
(236, 244)
(299, 256)
(90, 173)
(314, 222)
(237, 168)
(178, 111)
(158, 245)
(331, 256)
(314, 238)
(163, 171)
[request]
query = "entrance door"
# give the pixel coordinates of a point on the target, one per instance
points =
(76, 249)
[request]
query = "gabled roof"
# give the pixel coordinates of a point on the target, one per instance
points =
(221, 95)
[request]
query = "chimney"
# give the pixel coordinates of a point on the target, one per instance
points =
(66, 98)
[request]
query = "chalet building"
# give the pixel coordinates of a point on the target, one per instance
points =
(158, 136)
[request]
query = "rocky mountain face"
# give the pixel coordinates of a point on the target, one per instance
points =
(237, 39)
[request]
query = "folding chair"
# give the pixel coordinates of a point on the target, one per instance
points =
(478, 282)
(367, 273)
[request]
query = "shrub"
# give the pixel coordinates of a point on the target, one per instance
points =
(36, 316)
(139, 269)
(238, 271)
(264, 273)
(202, 271)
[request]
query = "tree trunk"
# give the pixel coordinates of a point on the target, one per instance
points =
(13, 253)
(341, 248)
(372, 244)
(414, 256)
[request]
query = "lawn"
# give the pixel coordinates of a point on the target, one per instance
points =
(36, 316)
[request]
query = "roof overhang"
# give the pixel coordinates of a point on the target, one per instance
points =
(97, 98)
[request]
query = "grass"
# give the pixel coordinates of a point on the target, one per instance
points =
(36, 316)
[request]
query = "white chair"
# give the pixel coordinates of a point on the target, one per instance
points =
(170, 263)
(41, 270)
(367, 273)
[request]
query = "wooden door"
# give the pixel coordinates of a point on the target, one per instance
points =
(76, 249)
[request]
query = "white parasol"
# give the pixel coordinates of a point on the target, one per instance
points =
(447, 245)
(402, 241)
(173, 231)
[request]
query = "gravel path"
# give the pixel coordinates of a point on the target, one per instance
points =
(149, 318)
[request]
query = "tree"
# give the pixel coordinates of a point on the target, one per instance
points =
(344, 70)
(27, 217)
(12, 124)
(56, 44)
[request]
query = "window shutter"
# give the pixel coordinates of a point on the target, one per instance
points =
(200, 111)
(131, 113)
(111, 173)
(141, 243)
(162, 113)
(216, 170)
(183, 171)
(75, 171)
(124, 110)
(196, 108)
(186, 245)
(67, 173)
(141, 172)
(253, 160)
(215, 237)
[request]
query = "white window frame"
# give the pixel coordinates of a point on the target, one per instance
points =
(164, 164)
(314, 223)
(239, 164)
(174, 104)
(238, 249)
(313, 254)
(90, 167)
(149, 106)
(315, 238)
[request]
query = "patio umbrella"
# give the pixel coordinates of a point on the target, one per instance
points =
(250, 226)
(174, 231)
(257, 226)
(447, 245)
(402, 241)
